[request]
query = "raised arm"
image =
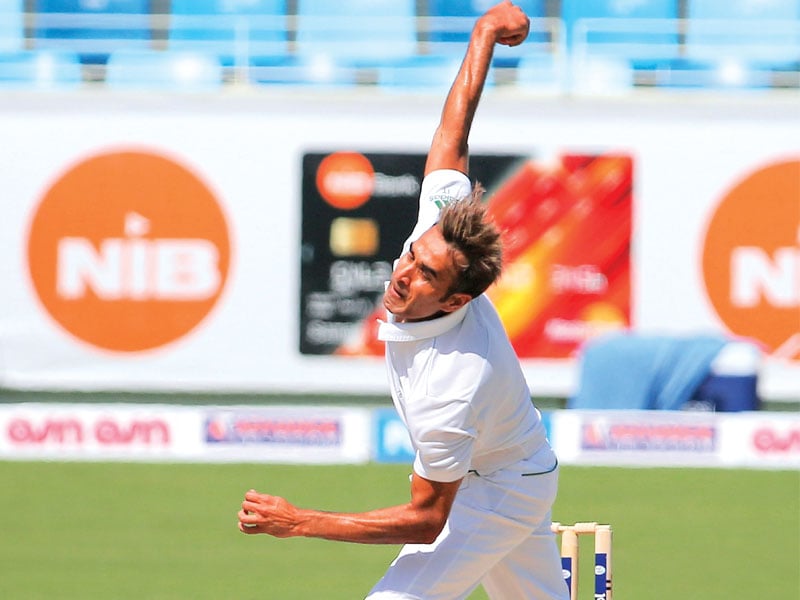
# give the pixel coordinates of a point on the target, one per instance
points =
(504, 24)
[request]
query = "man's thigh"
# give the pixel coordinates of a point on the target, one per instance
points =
(486, 523)
(531, 571)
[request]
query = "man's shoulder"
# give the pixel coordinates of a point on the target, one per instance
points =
(445, 186)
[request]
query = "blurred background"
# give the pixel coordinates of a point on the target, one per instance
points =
(592, 45)
(201, 201)
(206, 196)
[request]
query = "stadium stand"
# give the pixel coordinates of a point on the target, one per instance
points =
(174, 70)
(12, 29)
(424, 72)
(541, 72)
(743, 29)
(739, 43)
(575, 46)
(40, 69)
(359, 32)
(338, 43)
(629, 28)
(235, 30)
(92, 28)
(614, 45)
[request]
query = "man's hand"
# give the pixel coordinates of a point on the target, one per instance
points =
(262, 513)
(508, 22)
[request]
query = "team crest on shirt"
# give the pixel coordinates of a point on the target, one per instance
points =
(442, 200)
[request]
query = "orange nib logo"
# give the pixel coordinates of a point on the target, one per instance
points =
(128, 251)
(345, 180)
(751, 258)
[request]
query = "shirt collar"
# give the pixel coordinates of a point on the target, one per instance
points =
(390, 331)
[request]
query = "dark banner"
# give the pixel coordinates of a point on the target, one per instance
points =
(566, 226)
(358, 209)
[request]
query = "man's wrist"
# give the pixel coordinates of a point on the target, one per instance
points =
(303, 519)
(485, 30)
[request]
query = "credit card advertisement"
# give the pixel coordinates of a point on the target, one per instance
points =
(566, 226)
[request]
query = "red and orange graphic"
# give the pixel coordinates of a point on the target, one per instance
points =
(567, 252)
(128, 251)
(567, 236)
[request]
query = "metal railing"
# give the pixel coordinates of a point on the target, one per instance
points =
(279, 48)
(692, 52)
(283, 49)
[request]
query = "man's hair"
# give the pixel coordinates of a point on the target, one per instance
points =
(467, 229)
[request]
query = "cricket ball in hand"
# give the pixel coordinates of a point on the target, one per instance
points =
(250, 525)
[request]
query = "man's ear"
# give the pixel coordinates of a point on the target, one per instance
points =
(456, 301)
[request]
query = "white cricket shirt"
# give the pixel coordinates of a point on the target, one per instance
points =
(455, 380)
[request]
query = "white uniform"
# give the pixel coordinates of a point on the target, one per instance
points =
(457, 384)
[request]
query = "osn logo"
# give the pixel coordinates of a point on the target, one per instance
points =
(345, 180)
(751, 259)
(128, 251)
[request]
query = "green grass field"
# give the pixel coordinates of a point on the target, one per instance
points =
(157, 531)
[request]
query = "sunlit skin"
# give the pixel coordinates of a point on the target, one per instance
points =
(418, 288)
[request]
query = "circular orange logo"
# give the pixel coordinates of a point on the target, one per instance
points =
(751, 258)
(128, 251)
(345, 179)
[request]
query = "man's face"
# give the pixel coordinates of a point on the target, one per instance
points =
(421, 279)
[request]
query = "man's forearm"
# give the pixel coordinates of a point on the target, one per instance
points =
(465, 93)
(504, 24)
(418, 521)
(395, 525)
(452, 134)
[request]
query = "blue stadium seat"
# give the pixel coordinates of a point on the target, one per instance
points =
(40, 69)
(357, 32)
(541, 73)
(92, 28)
(12, 29)
(235, 30)
(738, 44)
(159, 69)
(686, 73)
(619, 41)
(317, 70)
(420, 73)
(743, 30)
(632, 30)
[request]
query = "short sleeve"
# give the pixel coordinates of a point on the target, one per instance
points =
(444, 440)
(439, 188)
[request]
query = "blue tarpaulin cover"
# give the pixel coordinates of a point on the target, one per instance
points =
(652, 372)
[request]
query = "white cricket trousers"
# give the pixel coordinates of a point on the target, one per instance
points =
(498, 534)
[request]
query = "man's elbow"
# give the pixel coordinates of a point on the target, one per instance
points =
(429, 529)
